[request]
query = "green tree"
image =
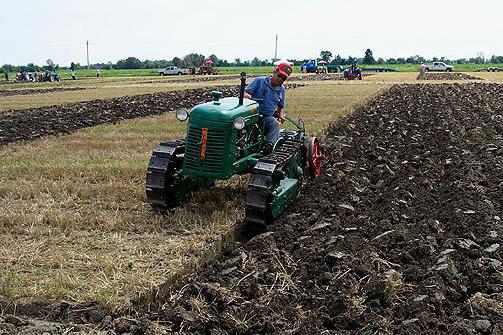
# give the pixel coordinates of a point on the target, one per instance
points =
(177, 62)
(326, 56)
(50, 65)
(338, 60)
(129, 63)
(214, 59)
(193, 60)
(497, 59)
(368, 59)
(255, 62)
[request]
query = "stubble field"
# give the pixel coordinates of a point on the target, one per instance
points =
(77, 231)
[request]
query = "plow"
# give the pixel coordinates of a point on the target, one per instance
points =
(224, 138)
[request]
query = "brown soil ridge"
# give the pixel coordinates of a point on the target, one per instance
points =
(29, 124)
(10, 92)
(447, 76)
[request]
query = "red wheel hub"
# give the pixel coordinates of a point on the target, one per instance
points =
(314, 157)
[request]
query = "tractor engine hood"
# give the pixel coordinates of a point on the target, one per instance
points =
(211, 137)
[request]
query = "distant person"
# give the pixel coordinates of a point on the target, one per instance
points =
(97, 73)
(6, 74)
(422, 70)
(73, 75)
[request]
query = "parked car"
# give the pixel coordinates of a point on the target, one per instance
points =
(439, 66)
(173, 70)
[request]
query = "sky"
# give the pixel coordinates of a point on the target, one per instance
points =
(32, 31)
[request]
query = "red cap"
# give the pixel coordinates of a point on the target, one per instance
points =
(285, 69)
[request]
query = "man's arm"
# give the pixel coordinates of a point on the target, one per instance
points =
(250, 89)
(280, 110)
(280, 114)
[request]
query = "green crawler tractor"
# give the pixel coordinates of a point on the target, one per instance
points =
(225, 138)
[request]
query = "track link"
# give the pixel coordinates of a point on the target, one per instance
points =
(264, 179)
(162, 175)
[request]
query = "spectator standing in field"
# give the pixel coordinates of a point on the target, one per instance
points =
(73, 74)
(422, 70)
(269, 92)
(6, 75)
(97, 73)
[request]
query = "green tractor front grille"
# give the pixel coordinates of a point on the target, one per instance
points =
(207, 153)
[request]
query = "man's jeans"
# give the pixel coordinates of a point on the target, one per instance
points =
(271, 128)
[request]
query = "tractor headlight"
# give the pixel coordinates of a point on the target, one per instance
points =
(239, 123)
(182, 114)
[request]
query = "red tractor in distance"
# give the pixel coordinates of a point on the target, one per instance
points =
(208, 67)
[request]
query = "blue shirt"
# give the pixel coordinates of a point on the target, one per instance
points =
(267, 97)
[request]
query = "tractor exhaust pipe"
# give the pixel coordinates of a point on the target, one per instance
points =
(242, 88)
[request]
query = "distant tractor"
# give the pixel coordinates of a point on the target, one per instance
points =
(25, 76)
(208, 67)
(48, 76)
(225, 138)
(309, 66)
(353, 73)
(319, 66)
(322, 67)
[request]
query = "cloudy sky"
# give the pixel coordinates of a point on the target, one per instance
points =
(34, 30)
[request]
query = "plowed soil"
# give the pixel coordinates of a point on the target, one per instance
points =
(401, 234)
(29, 124)
(4, 93)
(320, 77)
(447, 76)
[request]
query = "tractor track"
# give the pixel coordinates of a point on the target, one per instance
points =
(400, 234)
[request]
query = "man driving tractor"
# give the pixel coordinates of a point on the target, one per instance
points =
(269, 93)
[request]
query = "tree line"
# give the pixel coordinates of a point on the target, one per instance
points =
(369, 59)
(195, 60)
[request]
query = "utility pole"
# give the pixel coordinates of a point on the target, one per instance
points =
(87, 44)
(276, 50)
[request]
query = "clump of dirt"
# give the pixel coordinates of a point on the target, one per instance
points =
(4, 93)
(447, 76)
(400, 234)
(29, 124)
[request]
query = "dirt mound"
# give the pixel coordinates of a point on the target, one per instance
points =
(401, 233)
(320, 77)
(18, 125)
(4, 93)
(447, 76)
